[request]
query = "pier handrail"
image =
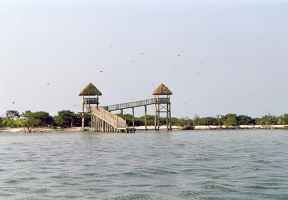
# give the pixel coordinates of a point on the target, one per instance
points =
(114, 120)
(135, 104)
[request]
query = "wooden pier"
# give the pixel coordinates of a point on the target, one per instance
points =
(103, 120)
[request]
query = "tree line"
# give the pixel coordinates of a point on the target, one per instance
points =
(66, 119)
(228, 120)
(29, 120)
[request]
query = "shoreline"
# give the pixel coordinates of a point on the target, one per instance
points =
(150, 128)
(41, 130)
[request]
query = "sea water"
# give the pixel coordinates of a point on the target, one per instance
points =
(200, 165)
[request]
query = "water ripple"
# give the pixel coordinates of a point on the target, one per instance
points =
(190, 165)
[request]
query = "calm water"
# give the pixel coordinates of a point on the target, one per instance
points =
(232, 165)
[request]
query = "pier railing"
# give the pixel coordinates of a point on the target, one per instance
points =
(135, 104)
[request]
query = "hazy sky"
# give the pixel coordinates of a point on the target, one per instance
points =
(217, 56)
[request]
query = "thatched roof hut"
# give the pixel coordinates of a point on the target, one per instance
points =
(162, 89)
(90, 90)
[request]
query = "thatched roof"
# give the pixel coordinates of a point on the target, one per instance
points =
(162, 90)
(90, 90)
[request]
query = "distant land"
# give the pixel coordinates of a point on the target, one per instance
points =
(70, 121)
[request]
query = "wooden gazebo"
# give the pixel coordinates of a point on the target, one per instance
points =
(162, 95)
(90, 96)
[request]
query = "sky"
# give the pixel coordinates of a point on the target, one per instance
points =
(217, 56)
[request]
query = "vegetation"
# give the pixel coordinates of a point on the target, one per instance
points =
(66, 119)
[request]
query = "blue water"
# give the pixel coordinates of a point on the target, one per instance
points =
(220, 165)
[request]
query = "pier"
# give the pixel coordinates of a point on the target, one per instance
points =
(104, 120)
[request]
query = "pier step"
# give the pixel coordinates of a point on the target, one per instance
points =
(105, 121)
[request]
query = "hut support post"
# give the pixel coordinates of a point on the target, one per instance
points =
(92, 120)
(96, 124)
(167, 117)
(155, 125)
(133, 118)
(155, 120)
(170, 117)
(145, 118)
(83, 112)
(157, 116)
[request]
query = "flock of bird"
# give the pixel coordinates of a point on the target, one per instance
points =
(48, 84)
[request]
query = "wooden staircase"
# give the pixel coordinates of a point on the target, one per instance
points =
(105, 121)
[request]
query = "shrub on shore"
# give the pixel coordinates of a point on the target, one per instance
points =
(67, 119)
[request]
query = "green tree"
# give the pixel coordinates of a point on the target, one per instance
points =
(182, 122)
(150, 120)
(44, 118)
(29, 121)
(245, 120)
(139, 121)
(267, 120)
(12, 114)
(230, 120)
(283, 119)
(196, 120)
(8, 122)
(206, 121)
(65, 118)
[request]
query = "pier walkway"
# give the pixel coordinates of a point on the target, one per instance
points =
(135, 104)
(103, 120)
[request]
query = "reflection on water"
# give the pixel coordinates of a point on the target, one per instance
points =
(228, 165)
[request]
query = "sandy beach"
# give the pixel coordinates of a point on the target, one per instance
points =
(142, 128)
(41, 130)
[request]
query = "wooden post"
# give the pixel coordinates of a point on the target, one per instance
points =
(170, 117)
(92, 120)
(167, 117)
(96, 124)
(83, 114)
(146, 118)
(133, 118)
(157, 116)
(100, 125)
(155, 120)
(103, 126)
